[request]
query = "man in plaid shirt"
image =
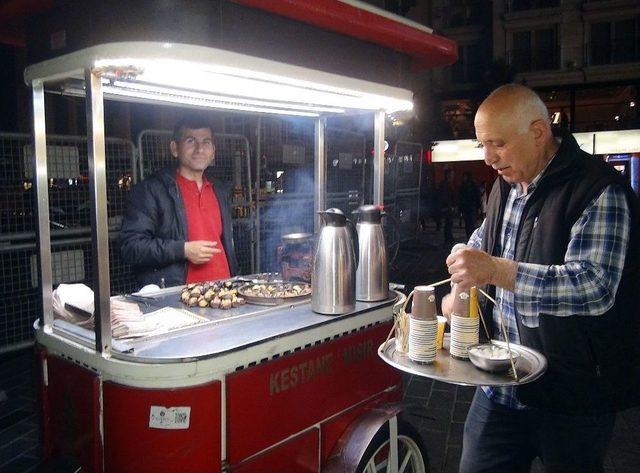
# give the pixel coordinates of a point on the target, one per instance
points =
(558, 248)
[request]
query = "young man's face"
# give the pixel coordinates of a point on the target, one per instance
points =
(195, 149)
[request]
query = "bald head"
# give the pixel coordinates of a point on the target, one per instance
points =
(514, 104)
(512, 125)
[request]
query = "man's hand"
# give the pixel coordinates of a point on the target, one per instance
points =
(447, 306)
(471, 267)
(200, 251)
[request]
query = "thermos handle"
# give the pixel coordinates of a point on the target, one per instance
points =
(354, 239)
(396, 231)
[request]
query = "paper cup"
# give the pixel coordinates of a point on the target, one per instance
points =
(422, 340)
(442, 322)
(424, 303)
(464, 333)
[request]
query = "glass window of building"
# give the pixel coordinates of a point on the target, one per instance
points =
(614, 42)
(522, 5)
(470, 65)
(545, 49)
(466, 12)
(521, 54)
(535, 50)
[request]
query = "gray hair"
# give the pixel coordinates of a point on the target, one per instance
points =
(528, 106)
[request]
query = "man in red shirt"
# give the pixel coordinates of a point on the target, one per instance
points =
(178, 224)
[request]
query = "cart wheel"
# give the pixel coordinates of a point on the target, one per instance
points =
(412, 456)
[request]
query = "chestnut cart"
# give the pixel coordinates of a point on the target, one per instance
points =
(253, 389)
(277, 389)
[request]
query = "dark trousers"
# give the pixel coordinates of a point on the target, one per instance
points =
(499, 439)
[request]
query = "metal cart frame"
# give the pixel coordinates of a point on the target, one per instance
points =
(131, 72)
(88, 372)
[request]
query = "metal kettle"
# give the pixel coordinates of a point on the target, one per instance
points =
(333, 280)
(372, 276)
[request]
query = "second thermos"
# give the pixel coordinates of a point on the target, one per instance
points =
(372, 276)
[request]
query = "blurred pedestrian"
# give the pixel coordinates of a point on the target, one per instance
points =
(484, 198)
(469, 203)
(446, 200)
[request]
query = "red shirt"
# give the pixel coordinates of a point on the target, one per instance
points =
(204, 222)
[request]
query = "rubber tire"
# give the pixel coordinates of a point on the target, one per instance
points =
(382, 436)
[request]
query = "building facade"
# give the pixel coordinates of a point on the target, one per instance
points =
(582, 56)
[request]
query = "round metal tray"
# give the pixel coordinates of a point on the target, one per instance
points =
(258, 300)
(258, 278)
(531, 365)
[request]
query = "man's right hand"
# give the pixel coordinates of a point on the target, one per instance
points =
(200, 251)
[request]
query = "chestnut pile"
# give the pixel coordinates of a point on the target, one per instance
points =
(214, 294)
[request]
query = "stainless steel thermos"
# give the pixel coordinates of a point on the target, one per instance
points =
(372, 276)
(333, 280)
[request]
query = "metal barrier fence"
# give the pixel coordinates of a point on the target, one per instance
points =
(407, 213)
(232, 164)
(390, 176)
(70, 223)
(290, 207)
(286, 159)
(284, 164)
(346, 158)
(409, 165)
(286, 148)
(408, 179)
(279, 215)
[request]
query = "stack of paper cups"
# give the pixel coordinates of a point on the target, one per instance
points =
(423, 325)
(464, 333)
(422, 340)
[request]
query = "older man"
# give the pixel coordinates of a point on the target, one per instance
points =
(559, 249)
(178, 226)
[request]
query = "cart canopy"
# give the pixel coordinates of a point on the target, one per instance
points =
(199, 76)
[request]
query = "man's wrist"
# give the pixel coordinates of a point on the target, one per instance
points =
(504, 273)
(446, 305)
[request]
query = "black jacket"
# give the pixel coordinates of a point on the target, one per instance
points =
(154, 229)
(593, 361)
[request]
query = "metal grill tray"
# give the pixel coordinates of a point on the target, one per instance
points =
(531, 365)
(259, 300)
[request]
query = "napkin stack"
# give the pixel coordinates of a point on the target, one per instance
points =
(128, 321)
(74, 303)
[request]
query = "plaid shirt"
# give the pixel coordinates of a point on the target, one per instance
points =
(585, 284)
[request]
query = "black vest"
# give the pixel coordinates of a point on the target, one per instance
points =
(593, 361)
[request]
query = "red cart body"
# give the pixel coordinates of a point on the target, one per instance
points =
(285, 412)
